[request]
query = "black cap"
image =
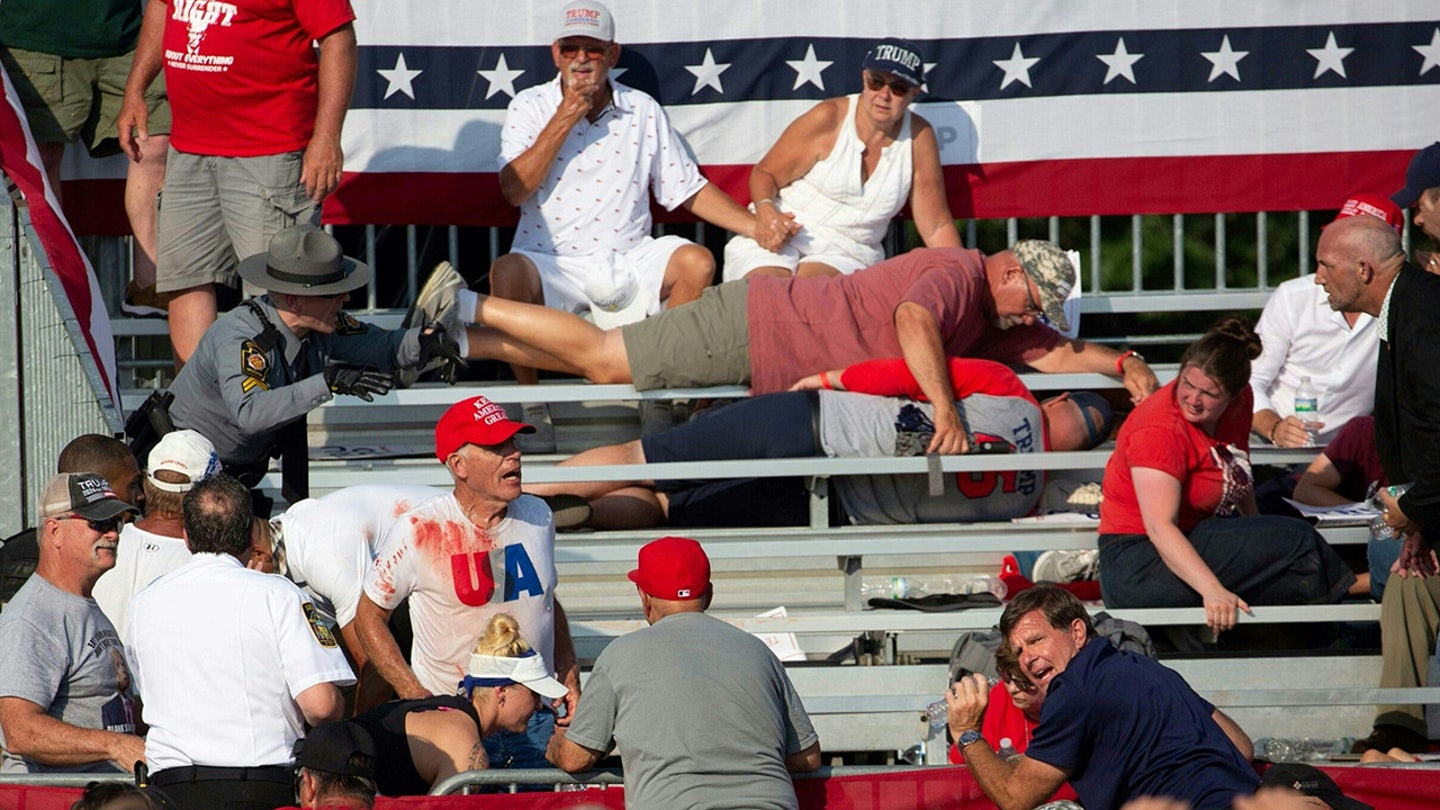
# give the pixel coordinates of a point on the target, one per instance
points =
(1423, 173)
(1311, 781)
(341, 748)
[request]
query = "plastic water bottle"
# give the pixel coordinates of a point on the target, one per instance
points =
(1304, 749)
(938, 713)
(915, 587)
(1379, 529)
(1007, 749)
(1307, 408)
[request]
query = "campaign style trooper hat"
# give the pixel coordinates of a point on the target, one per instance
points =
(1053, 273)
(304, 261)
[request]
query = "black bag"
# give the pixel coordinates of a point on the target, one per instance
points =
(975, 651)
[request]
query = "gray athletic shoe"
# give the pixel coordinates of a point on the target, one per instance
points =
(436, 299)
(1069, 565)
(435, 303)
(537, 415)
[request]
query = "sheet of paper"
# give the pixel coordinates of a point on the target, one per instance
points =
(1352, 514)
(785, 646)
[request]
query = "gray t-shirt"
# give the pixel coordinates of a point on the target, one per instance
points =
(859, 425)
(702, 713)
(61, 653)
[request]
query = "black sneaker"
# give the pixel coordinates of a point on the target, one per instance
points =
(571, 511)
(1387, 736)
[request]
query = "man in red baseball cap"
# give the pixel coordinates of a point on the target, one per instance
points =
(462, 557)
(702, 713)
(1303, 337)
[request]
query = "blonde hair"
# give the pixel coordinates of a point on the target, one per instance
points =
(502, 638)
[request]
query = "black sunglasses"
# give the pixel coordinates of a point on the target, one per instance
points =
(105, 526)
(569, 49)
(899, 87)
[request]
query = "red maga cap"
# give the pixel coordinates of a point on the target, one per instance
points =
(1374, 205)
(673, 568)
(474, 421)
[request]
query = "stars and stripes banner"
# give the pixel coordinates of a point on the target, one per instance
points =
(1066, 107)
(20, 161)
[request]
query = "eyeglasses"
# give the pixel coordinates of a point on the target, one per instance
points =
(570, 49)
(105, 526)
(899, 87)
(1032, 307)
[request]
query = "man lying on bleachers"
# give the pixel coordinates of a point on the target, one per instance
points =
(870, 409)
(924, 306)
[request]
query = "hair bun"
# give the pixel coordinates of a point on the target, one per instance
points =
(1241, 331)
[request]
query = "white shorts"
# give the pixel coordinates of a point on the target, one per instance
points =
(562, 278)
(743, 254)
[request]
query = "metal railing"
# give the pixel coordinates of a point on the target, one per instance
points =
(51, 389)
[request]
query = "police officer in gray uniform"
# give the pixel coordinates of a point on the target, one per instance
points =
(267, 363)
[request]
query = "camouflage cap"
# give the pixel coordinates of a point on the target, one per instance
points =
(1053, 273)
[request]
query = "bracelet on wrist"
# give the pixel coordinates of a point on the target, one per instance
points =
(1126, 355)
(1273, 428)
(825, 381)
(766, 201)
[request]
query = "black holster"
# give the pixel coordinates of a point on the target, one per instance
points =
(148, 424)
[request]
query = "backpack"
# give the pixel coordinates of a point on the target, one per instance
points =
(975, 651)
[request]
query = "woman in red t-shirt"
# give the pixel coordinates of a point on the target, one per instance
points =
(1178, 524)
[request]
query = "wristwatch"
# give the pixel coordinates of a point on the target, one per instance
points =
(968, 737)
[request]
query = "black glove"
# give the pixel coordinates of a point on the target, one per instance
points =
(358, 382)
(435, 344)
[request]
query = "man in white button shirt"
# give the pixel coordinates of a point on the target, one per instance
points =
(231, 664)
(580, 155)
(1303, 337)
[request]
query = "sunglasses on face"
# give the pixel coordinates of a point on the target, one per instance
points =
(570, 49)
(105, 526)
(899, 87)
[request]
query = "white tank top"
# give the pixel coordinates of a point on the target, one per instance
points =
(832, 202)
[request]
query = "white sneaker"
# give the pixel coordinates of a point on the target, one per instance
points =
(537, 415)
(1068, 565)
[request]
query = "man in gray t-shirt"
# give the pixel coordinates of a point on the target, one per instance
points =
(65, 693)
(702, 713)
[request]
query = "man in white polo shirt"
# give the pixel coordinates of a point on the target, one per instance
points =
(459, 559)
(155, 544)
(231, 664)
(580, 155)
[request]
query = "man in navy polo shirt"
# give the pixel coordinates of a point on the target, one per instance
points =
(1115, 725)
